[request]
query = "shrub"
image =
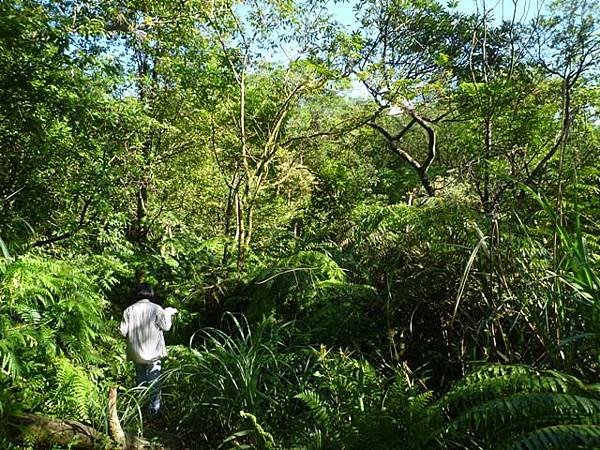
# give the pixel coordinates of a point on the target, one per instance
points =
(53, 331)
(520, 407)
(352, 406)
(250, 370)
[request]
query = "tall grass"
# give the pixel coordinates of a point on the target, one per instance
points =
(224, 374)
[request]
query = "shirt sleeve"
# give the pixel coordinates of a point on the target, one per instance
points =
(124, 327)
(163, 320)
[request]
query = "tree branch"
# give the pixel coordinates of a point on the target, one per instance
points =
(420, 168)
(81, 224)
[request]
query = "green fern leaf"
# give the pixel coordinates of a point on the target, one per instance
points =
(563, 437)
(317, 408)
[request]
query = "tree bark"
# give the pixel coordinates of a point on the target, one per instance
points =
(420, 167)
(114, 425)
(49, 431)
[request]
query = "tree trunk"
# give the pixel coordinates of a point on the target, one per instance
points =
(114, 425)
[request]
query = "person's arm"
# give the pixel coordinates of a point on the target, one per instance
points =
(124, 327)
(164, 318)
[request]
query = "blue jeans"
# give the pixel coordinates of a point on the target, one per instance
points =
(148, 375)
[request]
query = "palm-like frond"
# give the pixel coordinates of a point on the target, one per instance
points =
(563, 437)
(318, 409)
(51, 318)
(502, 406)
(75, 394)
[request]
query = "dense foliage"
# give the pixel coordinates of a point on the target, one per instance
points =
(382, 233)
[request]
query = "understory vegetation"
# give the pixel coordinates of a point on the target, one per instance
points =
(379, 233)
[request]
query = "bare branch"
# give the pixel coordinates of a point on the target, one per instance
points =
(80, 225)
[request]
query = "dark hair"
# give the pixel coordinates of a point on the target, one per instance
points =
(144, 290)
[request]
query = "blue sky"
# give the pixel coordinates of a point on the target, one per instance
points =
(502, 9)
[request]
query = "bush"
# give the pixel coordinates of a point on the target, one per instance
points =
(519, 407)
(53, 335)
(352, 406)
(251, 370)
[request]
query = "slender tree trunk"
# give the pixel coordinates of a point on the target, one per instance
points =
(486, 197)
(138, 231)
(566, 130)
(114, 424)
(240, 233)
(229, 210)
(426, 183)
(249, 224)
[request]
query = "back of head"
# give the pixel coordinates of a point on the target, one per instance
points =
(144, 291)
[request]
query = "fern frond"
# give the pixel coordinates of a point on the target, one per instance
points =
(526, 410)
(497, 381)
(491, 406)
(75, 393)
(563, 437)
(317, 408)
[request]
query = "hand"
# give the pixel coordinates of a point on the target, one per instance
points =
(171, 310)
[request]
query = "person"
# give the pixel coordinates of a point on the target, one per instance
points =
(143, 325)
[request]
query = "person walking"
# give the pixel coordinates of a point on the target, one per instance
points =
(143, 325)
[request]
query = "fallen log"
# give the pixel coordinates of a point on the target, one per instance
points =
(48, 431)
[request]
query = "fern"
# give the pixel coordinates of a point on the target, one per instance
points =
(353, 406)
(496, 381)
(319, 410)
(75, 394)
(51, 319)
(494, 404)
(563, 437)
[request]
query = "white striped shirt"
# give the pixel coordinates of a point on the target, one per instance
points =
(143, 324)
